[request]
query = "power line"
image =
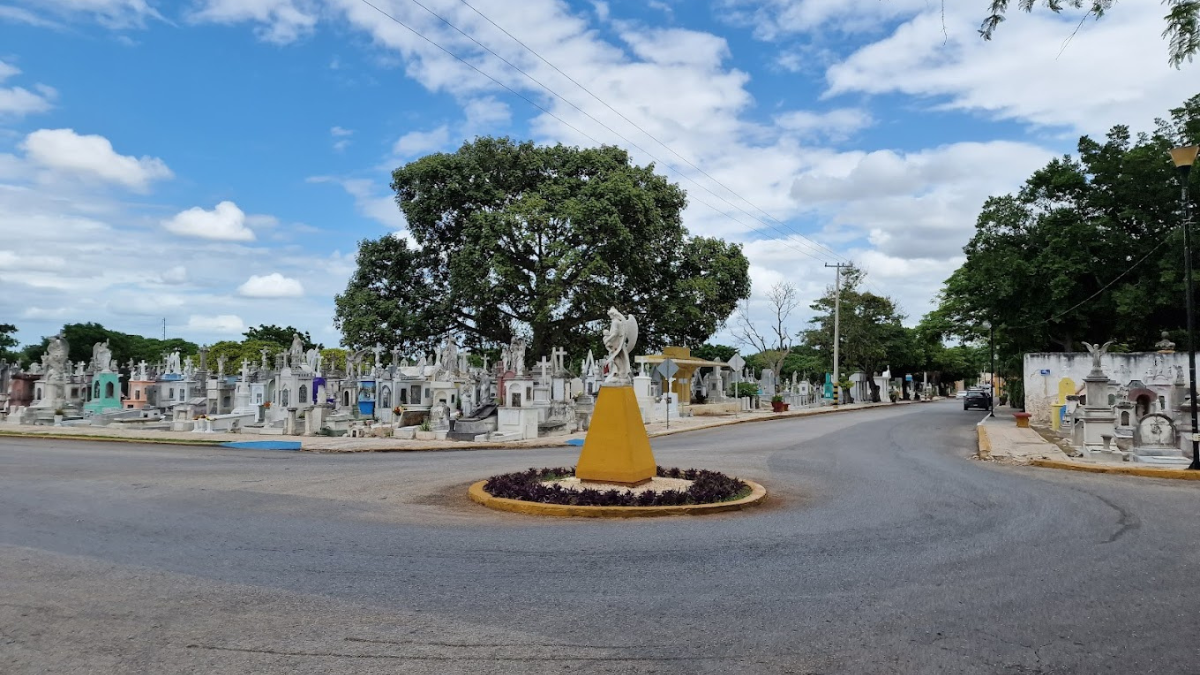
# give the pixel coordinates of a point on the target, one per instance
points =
(785, 234)
(635, 125)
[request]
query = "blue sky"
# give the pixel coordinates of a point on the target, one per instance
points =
(214, 162)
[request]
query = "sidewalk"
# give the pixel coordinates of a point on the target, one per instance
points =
(1000, 440)
(345, 444)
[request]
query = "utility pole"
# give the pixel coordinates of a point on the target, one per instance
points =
(164, 329)
(837, 324)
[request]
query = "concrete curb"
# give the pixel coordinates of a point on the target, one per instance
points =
(522, 445)
(113, 439)
(757, 494)
(1146, 472)
(790, 415)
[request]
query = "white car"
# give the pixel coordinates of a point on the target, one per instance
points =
(961, 394)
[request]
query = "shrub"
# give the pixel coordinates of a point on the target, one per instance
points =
(531, 485)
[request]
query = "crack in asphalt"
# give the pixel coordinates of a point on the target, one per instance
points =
(457, 657)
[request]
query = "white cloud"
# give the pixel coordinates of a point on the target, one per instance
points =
(1030, 72)
(273, 285)
(281, 21)
(91, 157)
(341, 138)
(834, 124)
(416, 143)
(111, 13)
(10, 260)
(221, 323)
(174, 275)
(483, 114)
(368, 201)
(226, 222)
(18, 101)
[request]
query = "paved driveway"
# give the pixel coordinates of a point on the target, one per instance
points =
(883, 549)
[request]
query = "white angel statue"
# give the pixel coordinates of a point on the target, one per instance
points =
(619, 339)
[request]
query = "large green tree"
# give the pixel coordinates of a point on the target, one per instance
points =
(1088, 249)
(1182, 30)
(520, 239)
(872, 337)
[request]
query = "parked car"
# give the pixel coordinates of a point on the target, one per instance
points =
(977, 399)
(961, 394)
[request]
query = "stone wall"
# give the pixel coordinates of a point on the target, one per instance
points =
(1051, 377)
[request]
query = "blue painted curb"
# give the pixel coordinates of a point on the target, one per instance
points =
(575, 441)
(263, 445)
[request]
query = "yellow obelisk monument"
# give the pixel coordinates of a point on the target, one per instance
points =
(617, 449)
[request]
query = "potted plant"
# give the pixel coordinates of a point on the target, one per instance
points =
(777, 404)
(425, 431)
(58, 416)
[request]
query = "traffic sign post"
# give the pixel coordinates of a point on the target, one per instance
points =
(667, 369)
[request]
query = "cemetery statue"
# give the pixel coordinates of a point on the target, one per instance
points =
(79, 369)
(35, 368)
(57, 352)
(296, 353)
(141, 370)
(264, 351)
(173, 362)
(221, 365)
(505, 359)
(619, 339)
(101, 357)
(313, 359)
(187, 367)
(1165, 345)
(1097, 353)
(516, 353)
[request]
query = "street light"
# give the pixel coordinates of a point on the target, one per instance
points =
(1184, 158)
(991, 367)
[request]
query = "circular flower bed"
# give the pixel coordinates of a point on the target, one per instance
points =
(708, 487)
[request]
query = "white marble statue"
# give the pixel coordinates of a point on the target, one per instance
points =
(619, 339)
(312, 358)
(505, 359)
(101, 357)
(188, 368)
(141, 370)
(1097, 353)
(173, 362)
(516, 354)
(296, 353)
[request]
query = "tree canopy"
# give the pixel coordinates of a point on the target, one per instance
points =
(1088, 249)
(538, 241)
(1182, 21)
(872, 337)
(125, 346)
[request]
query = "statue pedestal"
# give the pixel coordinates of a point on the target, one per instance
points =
(617, 449)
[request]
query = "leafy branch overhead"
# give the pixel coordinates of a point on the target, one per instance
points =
(1182, 32)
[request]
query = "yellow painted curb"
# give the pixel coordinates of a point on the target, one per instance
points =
(985, 443)
(1176, 474)
(757, 494)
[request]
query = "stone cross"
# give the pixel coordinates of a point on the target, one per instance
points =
(377, 351)
(559, 355)
(221, 366)
(544, 366)
(142, 370)
(245, 370)
(395, 356)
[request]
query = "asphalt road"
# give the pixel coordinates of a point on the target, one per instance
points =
(883, 549)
